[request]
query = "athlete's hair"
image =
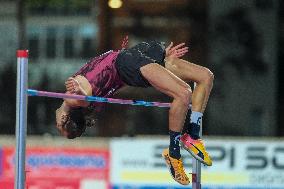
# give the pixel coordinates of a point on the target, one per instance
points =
(78, 120)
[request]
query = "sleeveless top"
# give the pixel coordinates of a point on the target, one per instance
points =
(102, 75)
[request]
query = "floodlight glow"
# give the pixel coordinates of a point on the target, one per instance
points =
(115, 4)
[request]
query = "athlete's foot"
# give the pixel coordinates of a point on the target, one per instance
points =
(176, 168)
(196, 148)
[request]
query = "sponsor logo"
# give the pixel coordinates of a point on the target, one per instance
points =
(62, 160)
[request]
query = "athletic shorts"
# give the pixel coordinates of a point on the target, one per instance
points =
(129, 61)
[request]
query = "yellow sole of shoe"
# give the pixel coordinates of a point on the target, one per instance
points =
(166, 160)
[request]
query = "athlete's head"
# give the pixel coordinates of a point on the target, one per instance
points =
(74, 124)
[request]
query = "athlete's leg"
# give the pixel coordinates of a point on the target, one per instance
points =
(191, 72)
(166, 82)
(204, 82)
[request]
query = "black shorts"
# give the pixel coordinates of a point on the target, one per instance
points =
(129, 61)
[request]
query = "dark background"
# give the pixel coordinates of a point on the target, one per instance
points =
(240, 41)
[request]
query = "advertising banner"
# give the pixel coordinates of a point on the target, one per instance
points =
(236, 164)
(50, 168)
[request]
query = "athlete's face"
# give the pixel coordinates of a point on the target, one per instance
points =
(62, 130)
(61, 120)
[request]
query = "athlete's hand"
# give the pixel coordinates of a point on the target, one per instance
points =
(74, 87)
(176, 51)
(124, 42)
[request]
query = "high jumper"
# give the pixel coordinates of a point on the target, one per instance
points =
(145, 65)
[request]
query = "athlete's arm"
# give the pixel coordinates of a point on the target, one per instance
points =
(78, 85)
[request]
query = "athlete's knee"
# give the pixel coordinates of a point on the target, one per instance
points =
(208, 77)
(184, 95)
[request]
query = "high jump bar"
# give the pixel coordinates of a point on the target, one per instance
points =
(32, 92)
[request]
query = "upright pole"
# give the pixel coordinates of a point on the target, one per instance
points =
(196, 167)
(21, 118)
(196, 173)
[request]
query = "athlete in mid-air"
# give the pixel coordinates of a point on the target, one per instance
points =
(146, 65)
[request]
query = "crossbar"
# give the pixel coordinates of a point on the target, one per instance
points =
(32, 92)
